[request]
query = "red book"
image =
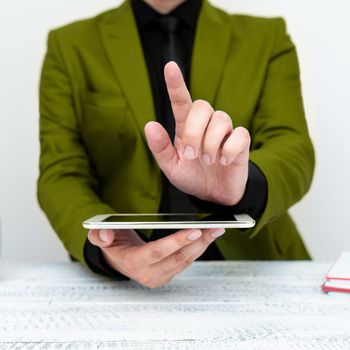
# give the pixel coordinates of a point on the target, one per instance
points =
(338, 277)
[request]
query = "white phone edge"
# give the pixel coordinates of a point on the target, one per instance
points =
(96, 223)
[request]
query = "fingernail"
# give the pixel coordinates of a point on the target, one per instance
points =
(189, 153)
(223, 160)
(103, 235)
(194, 235)
(206, 159)
(217, 233)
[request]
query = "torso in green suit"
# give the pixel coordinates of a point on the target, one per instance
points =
(95, 98)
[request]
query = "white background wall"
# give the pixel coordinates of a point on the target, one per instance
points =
(321, 31)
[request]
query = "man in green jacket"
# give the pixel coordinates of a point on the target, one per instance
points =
(230, 134)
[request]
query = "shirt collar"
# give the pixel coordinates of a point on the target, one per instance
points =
(187, 11)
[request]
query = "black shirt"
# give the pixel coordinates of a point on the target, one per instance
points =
(152, 41)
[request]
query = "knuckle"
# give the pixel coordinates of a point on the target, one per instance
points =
(222, 117)
(180, 241)
(182, 259)
(244, 133)
(156, 254)
(202, 104)
(207, 239)
(128, 265)
(145, 280)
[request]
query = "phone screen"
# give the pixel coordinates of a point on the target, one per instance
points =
(169, 217)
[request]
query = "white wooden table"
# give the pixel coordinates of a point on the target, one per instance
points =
(217, 305)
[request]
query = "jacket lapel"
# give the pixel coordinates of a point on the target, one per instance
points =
(122, 44)
(209, 53)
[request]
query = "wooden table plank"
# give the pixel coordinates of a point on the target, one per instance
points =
(213, 305)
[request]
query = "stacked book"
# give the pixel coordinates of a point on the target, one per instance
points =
(338, 277)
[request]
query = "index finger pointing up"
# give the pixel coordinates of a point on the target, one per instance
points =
(179, 95)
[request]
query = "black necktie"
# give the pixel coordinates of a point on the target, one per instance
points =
(169, 25)
(172, 51)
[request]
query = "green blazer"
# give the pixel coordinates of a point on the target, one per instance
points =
(95, 98)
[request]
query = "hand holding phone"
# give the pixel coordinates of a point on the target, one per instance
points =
(155, 263)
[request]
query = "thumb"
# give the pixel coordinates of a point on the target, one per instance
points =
(161, 147)
(101, 238)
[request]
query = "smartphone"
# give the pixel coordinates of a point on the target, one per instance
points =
(170, 221)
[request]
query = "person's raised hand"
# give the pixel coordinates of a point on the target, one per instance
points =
(155, 263)
(209, 158)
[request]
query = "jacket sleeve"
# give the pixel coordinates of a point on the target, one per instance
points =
(67, 188)
(281, 146)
